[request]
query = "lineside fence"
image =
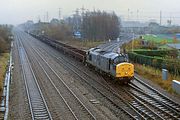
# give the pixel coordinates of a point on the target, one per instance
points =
(172, 65)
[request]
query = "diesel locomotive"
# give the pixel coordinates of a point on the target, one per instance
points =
(113, 64)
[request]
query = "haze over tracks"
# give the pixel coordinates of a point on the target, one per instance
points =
(50, 85)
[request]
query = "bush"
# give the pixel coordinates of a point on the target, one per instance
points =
(5, 31)
(159, 53)
(172, 65)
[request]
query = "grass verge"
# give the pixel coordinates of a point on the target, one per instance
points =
(155, 75)
(3, 65)
(158, 39)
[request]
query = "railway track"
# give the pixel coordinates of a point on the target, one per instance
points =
(159, 96)
(137, 104)
(159, 108)
(147, 114)
(37, 103)
(74, 104)
(153, 104)
(106, 94)
(141, 106)
(162, 109)
(110, 47)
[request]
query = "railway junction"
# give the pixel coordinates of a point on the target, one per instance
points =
(50, 81)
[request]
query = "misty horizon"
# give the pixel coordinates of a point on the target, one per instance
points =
(19, 11)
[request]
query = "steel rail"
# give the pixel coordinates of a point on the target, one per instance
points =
(37, 103)
(98, 88)
(165, 109)
(89, 112)
(156, 94)
(56, 89)
(90, 76)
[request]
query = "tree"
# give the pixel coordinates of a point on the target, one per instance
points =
(58, 31)
(99, 25)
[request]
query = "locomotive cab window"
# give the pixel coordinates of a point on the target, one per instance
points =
(119, 59)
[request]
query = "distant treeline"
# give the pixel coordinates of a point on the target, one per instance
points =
(95, 25)
(100, 25)
(5, 32)
(60, 31)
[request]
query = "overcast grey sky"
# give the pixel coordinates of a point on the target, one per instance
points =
(18, 11)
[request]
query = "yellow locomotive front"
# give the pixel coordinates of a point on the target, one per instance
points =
(125, 71)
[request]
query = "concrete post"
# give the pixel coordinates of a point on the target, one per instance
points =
(164, 74)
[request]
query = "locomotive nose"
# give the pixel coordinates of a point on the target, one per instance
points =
(124, 70)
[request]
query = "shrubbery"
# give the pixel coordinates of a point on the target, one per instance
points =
(160, 53)
(5, 32)
(173, 65)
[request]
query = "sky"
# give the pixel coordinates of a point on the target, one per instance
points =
(19, 11)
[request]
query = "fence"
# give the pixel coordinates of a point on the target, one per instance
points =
(159, 53)
(172, 65)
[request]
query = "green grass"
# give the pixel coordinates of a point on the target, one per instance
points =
(157, 39)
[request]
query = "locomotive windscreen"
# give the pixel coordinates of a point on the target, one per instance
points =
(120, 59)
